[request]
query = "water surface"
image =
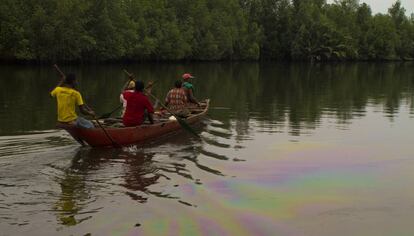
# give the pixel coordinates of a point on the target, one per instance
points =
(288, 149)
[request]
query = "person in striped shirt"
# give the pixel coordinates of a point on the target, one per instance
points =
(176, 100)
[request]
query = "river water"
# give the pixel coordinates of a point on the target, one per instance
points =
(288, 149)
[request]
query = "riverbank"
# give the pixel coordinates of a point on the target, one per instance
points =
(188, 61)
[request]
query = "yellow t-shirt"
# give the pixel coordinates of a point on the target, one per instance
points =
(67, 100)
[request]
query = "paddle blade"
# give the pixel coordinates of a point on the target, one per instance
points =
(187, 127)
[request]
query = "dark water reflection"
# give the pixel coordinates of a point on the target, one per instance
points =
(273, 93)
(280, 143)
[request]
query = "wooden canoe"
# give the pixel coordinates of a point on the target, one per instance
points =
(132, 135)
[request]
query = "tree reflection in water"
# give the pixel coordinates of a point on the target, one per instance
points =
(134, 169)
(74, 191)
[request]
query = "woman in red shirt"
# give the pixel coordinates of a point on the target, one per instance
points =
(137, 104)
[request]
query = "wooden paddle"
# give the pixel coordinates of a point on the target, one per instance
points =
(115, 144)
(180, 120)
(107, 115)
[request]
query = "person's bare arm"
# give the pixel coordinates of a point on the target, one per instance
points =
(148, 88)
(86, 110)
(151, 118)
(150, 110)
(191, 97)
(62, 79)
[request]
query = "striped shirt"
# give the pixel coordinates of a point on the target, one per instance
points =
(176, 99)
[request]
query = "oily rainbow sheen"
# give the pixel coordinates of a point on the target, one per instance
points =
(294, 182)
(304, 181)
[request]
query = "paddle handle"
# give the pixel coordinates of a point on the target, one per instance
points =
(59, 70)
(115, 144)
(129, 74)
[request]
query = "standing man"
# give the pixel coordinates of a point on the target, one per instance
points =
(137, 104)
(67, 99)
(189, 88)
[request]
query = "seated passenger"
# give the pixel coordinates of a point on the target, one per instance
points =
(189, 88)
(176, 100)
(137, 104)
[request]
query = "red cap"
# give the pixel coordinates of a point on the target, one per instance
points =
(187, 76)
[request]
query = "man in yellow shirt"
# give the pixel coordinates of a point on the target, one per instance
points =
(67, 100)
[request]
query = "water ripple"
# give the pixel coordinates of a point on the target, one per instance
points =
(47, 173)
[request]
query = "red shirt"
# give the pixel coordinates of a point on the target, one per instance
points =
(137, 103)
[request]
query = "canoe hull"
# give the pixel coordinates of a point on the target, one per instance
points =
(130, 135)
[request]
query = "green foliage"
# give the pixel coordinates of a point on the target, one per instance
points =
(382, 37)
(106, 30)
